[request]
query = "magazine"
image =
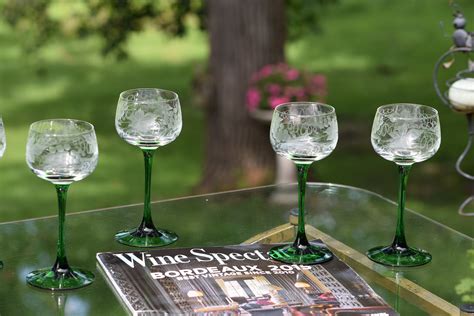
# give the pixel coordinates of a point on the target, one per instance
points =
(231, 280)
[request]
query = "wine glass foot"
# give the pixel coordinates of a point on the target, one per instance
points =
(399, 257)
(308, 255)
(73, 278)
(147, 238)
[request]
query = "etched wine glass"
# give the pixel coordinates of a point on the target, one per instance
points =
(303, 132)
(61, 151)
(3, 146)
(404, 133)
(148, 118)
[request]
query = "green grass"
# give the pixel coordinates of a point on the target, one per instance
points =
(79, 83)
(380, 52)
(373, 53)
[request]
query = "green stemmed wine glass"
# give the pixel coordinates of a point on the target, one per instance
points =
(303, 132)
(61, 151)
(148, 118)
(3, 146)
(405, 134)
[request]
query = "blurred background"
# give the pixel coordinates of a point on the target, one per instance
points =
(71, 59)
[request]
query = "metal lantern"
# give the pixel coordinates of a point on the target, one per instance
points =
(459, 95)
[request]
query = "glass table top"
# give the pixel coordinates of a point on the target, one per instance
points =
(355, 217)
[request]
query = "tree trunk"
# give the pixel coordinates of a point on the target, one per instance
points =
(244, 35)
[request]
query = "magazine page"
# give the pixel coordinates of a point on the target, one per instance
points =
(235, 280)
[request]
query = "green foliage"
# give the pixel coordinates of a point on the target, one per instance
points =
(116, 20)
(303, 17)
(113, 20)
(31, 17)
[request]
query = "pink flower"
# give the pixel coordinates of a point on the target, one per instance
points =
(282, 67)
(292, 74)
(317, 85)
(274, 101)
(274, 89)
(319, 81)
(253, 99)
(300, 94)
(266, 71)
(297, 92)
(279, 83)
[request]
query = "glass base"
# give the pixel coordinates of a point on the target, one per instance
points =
(308, 255)
(399, 257)
(73, 278)
(147, 238)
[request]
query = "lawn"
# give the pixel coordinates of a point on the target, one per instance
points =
(373, 53)
(79, 83)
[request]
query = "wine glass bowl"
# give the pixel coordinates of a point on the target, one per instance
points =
(148, 118)
(405, 134)
(61, 151)
(303, 132)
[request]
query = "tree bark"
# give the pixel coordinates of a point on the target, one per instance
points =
(244, 36)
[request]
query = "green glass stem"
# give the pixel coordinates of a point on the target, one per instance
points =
(301, 239)
(147, 222)
(301, 251)
(61, 276)
(146, 234)
(398, 254)
(399, 242)
(61, 265)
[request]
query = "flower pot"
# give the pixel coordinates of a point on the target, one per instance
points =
(264, 116)
(285, 169)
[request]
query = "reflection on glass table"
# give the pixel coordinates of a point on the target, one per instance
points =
(347, 217)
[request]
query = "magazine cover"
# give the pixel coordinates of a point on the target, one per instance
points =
(232, 280)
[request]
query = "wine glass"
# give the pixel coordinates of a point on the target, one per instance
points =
(405, 134)
(3, 146)
(61, 151)
(148, 118)
(303, 132)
